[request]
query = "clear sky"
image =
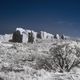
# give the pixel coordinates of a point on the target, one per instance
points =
(55, 16)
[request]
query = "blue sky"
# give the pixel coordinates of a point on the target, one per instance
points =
(54, 16)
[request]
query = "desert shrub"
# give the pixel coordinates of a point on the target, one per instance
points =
(63, 58)
(42, 62)
(30, 37)
(77, 51)
(1, 78)
(60, 58)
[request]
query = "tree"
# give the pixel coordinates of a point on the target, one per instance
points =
(56, 36)
(62, 37)
(17, 37)
(30, 37)
(39, 35)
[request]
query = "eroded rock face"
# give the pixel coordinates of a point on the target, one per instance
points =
(46, 35)
(21, 30)
(25, 34)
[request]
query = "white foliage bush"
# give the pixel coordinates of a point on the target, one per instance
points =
(64, 57)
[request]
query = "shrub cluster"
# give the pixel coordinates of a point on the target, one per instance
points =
(61, 58)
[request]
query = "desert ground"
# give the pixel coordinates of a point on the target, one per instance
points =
(37, 61)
